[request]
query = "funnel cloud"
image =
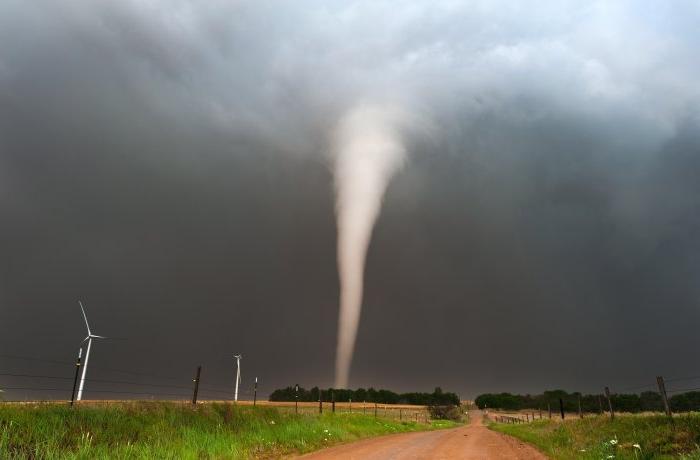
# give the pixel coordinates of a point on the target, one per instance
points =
(368, 151)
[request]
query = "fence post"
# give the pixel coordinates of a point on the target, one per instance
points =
(320, 401)
(255, 392)
(332, 401)
(607, 395)
(664, 397)
(375, 409)
(351, 405)
(580, 412)
(561, 408)
(296, 399)
(364, 407)
(400, 415)
(196, 385)
(549, 408)
(77, 373)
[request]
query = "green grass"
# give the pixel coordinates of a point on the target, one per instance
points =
(599, 437)
(162, 430)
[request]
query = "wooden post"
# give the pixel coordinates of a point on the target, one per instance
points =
(77, 373)
(664, 397)
(351, 405)
(400, 415)
(296, 399)
(332, 401)
(364, 407)
(375, 410)
(561, 408)
(607, 395)
(580, 411)
(549, 408)
(255, 392)
(320, 401)
(540, 409)
(196, 385)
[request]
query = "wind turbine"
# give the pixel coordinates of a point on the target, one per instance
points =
(87, 339)
(238, 375)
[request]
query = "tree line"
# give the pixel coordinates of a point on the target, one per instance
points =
(630, 402)
(436, 398)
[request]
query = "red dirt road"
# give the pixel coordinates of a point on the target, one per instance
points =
(473, 442)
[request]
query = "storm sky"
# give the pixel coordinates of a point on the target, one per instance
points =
(169, 164)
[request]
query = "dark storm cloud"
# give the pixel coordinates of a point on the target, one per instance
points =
(166, 162)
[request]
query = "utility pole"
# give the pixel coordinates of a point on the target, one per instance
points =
(664, 397)
(607, 395)
(77, 374)
(255, 391)
(196, 385)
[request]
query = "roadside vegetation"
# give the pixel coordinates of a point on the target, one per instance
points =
(173, 430)
(625, 437)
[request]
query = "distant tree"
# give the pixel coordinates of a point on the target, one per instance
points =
(651, 401)
(685, 402)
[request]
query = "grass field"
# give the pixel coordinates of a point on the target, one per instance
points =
(156, 430)
(626, 437)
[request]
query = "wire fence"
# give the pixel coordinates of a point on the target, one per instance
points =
(608, 400)
(145, 386)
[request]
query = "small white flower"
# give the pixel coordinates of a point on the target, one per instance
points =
(613, 441)
(610, 456)
(582, 450)
(637, 446)
(272, 422)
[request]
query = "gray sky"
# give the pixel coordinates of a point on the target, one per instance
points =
(167, 162)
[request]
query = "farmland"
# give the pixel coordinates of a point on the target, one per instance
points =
(177, 430)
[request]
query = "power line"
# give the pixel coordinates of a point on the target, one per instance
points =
(106, 381)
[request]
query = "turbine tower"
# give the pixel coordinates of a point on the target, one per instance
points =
(238, 375)
(87, 339)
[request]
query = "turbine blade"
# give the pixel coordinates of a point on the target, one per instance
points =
(86, 339)
(84, 316)
(98, 336)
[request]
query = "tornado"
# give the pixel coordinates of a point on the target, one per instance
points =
(368, 151)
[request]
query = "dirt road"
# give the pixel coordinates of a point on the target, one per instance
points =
(474, 441)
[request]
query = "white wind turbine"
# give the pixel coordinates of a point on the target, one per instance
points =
(87, 339)
(238, 375)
